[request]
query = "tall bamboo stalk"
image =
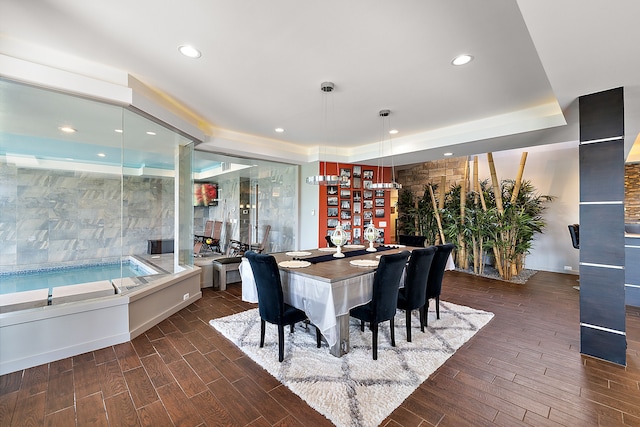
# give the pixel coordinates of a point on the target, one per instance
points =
(481, 194)
(477, 251)
(484, 208)
(516, 188)
(443, 190)
(437, 213)
(476, 183)
(474, 249)
(516, 264)
(474, 242)
(463, 191)
(497, 191)
(462, 247)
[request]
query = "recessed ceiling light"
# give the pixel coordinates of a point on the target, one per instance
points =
(150, 133)
(118, 130)
(67, 129)
(279, 130)
(448, 154)
(102, 155)
(462, 59)
(393, 131)
(189, 51)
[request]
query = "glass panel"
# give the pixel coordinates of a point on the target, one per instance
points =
(102, 193)
(184, 220)
(149, 190)
(274, 202)
(60, 181)
(250, 192)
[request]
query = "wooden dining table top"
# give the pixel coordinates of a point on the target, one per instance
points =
(338, 268)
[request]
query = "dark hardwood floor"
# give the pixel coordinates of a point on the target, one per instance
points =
(523, 368)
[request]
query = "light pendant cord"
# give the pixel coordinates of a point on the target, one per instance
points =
(380, 184)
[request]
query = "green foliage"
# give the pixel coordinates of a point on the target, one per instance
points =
(511, 232)
(520, 220)
(406, 212)
(415, 216)
(428, 222)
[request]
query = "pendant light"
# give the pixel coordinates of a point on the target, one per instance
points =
(325, 179)
(380, 184)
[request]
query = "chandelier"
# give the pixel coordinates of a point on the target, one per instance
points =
(324, 178)
(380, 184)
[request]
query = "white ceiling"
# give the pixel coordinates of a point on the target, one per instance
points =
(263, 62)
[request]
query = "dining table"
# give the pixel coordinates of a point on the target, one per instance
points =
(325, 287)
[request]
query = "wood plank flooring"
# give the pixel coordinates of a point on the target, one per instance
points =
(523, 368)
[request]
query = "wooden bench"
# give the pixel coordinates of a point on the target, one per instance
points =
(221, 266)
(206, 275)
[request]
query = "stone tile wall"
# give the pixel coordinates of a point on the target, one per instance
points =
(56, 218)
(632, 192)
(416, 177)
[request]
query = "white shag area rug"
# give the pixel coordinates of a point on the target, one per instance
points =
(355, 390)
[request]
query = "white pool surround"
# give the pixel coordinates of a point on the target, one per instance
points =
(38, 335)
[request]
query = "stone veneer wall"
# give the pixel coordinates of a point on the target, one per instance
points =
(632, 192)
(416, 177)
(52, 218)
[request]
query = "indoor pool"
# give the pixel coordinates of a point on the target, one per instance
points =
(26, 281)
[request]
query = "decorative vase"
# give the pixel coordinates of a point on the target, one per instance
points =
(371, 234)
(338, 238)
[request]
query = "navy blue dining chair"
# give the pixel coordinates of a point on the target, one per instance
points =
(382, 306)
(574, 231)
(434, 282)
(413, 295)
(271, 303)
(409, 240)
(329, 242)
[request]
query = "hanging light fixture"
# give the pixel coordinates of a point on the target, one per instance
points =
(326, 179)
(380, 184)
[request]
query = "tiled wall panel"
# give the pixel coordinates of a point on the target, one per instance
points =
(53, 218)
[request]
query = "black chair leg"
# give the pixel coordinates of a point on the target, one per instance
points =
(393, 333)
(280, 343)
(318, 337)
(374, 339)
(362, 325)
(408, 320)
(438, 307)
(291, 328)
(426, 313)
(261, 333)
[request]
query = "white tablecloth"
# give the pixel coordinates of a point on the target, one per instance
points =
(321, 300)
(450, 264)
(249, 291)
